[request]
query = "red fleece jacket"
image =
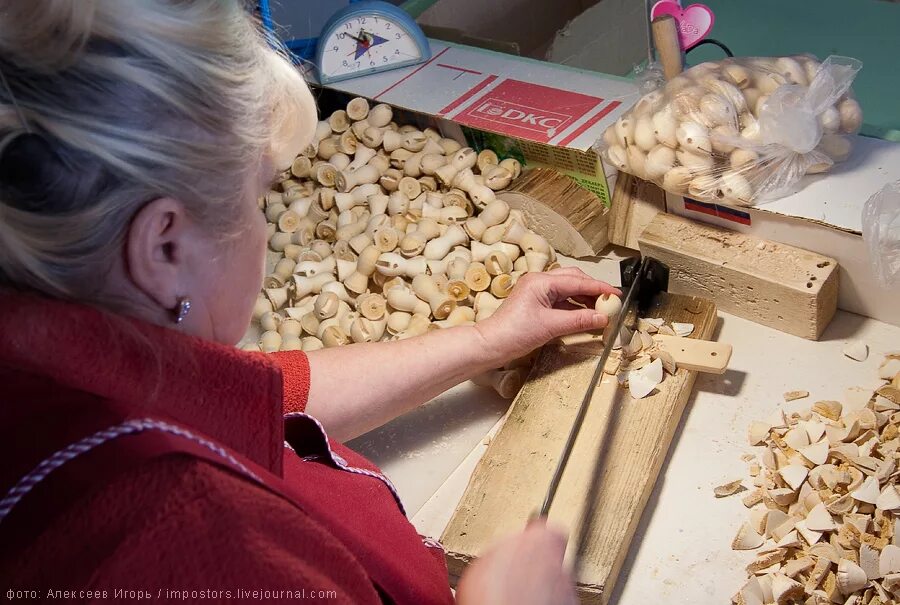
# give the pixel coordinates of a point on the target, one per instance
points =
(223, 487)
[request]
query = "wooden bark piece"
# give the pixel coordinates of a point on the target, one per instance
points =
(512, 477)
(780, 286)
(572, 219)
(634, 204)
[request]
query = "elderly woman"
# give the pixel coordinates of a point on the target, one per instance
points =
(141, 450)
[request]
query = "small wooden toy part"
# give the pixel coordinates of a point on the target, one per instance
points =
(462, 159)
(494, 213)
(505, 382)
(447, 216)
(481, 251)
(347, 180)
(497, 263)
(367, 330)
(397, 322)
(310, 268)
(358, 282)
(486, 304)
(357, 109)
(441, 303)
(392, 264)
(439, 247)
(502, 285)
(527, 240)
(457, 289)
(477, 277)
(385, 238)
(326, 305)
(418, 325)
(481, 194)
(404, 299)
(340, 290)
(413, 243)
(460, 316)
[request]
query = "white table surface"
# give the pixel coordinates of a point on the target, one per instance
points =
(681, 551)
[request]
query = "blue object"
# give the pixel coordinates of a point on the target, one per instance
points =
(379, 36)
(297, 23)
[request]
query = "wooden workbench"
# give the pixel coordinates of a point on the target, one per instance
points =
(681, 550)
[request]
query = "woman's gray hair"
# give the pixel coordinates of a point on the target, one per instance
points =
(125, 101)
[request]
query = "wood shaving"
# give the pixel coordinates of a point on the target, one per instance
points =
(825, 512)
(792, 395)
(856, 350)
(682, 329)
(729, 489)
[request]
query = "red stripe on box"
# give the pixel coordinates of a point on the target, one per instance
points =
(463, 69)
(411, 74)
(722, 212)
(468, 95)
(590, 122)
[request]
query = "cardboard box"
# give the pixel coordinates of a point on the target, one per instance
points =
(824, 216)
(522, 27)
(544, 114)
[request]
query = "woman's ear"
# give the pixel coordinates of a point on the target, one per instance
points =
(155, 250)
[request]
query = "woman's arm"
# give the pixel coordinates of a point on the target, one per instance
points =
(357, 388)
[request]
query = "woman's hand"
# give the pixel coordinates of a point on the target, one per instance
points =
(525, 569)
(538, 311)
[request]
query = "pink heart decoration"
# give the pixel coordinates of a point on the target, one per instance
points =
(694, 22)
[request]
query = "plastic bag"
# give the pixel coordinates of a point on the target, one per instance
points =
(741, 130)
(881, 232)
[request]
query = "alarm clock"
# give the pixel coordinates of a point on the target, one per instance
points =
(369, 37)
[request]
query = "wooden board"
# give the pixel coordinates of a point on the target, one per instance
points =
(690, 353)
(634, 204)
(573, 219)
(780, 286)
(510, 481)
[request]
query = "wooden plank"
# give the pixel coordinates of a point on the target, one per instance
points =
(696, 354)
(573, 219)
(689, 353)
(511, 479)
(634, 204)
(780, 286)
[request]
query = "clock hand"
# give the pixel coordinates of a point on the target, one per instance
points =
(360, 40)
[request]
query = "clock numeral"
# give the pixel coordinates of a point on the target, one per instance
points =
(372, 63)
(387, 26)
(344, 63)
(398, 36)
(335, 47)
(384, 59)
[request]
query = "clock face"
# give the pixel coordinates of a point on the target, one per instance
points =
(367, 43)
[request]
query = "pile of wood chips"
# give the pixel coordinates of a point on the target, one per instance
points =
(825, 504)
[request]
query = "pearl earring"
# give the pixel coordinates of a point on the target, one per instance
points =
(182, 309)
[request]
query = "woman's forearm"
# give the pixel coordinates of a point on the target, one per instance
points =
(357, 388)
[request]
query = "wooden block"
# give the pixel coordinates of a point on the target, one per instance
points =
(688, 353)
(634, 204)
(573, 219)
(777, 285)
(695, 354)
(511, 479)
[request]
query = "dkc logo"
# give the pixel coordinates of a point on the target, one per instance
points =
(530, 111)
(520, 114)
